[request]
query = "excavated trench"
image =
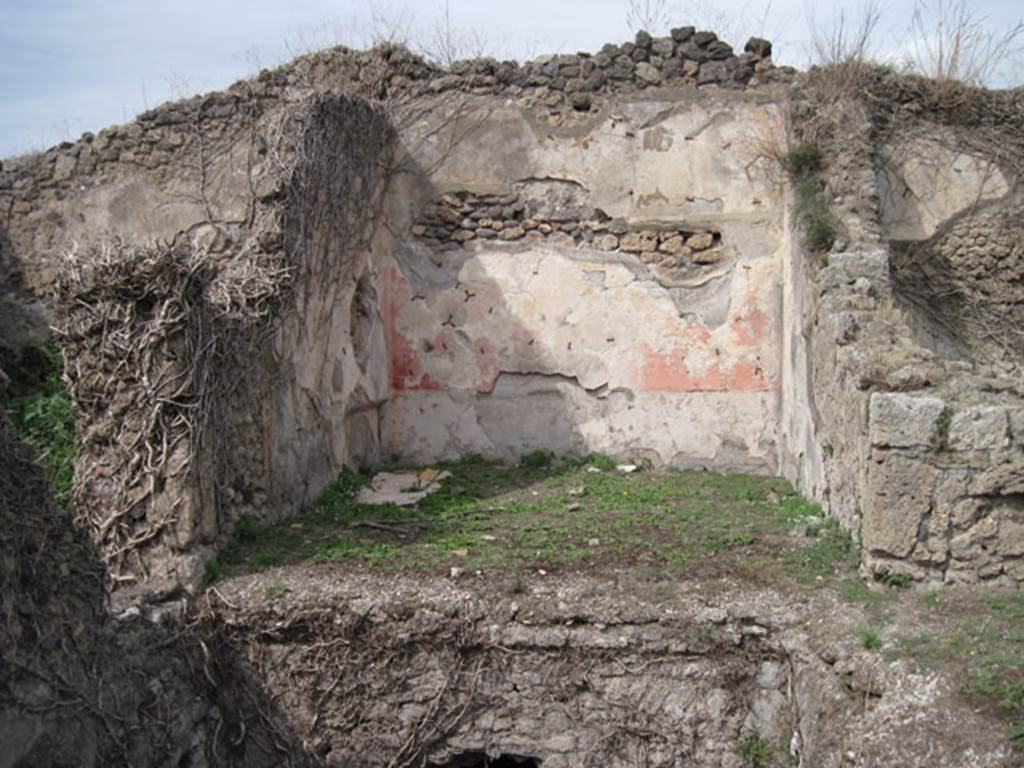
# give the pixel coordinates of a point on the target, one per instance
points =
(558, 672)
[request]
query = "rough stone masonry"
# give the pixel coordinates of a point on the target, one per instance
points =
(362, 258)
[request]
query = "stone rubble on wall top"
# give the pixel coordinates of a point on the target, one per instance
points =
(566, 82)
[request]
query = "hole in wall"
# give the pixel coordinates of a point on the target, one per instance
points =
(481, 760)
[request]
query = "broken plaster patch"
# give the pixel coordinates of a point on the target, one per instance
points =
(402, 488)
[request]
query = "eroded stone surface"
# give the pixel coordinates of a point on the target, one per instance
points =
(566, 669)
(926, 181)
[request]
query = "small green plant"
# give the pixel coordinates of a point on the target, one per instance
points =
(803, 159)
(276, 590)
(754, 751)
(940, 438)
(896, 580)
(214, 572)
(247, 530)
(815, 217)
(870, 639)
(43, 414)
(538, 459)
(804, 162)
(600, 461)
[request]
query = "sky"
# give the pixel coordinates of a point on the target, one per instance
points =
(69, 66)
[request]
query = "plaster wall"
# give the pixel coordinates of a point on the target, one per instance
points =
(503, 345)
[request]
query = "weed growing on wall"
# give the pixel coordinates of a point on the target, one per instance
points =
(940, 439)
(42, 413)
(754, 752)
(816, 219)
(804, 162)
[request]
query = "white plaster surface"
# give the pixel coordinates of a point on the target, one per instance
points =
(503, 348)
(925, 182)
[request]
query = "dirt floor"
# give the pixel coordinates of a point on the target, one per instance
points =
(547, 552)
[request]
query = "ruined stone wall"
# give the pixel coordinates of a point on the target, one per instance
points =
(612, 284)
(582, 253)
(207, 261)
(72, 690)
(911, 342)
(233, 308)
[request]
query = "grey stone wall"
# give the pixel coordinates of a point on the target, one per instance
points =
(924, 456)
(207, 261)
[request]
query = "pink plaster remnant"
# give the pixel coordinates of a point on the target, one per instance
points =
(486, 355)
(699, 333)
(668, 372)
(405, 370)
(750, 329)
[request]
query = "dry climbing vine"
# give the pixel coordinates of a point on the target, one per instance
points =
(163, 339)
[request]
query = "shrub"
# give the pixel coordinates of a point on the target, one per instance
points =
(43, 414)
(842, 49)
(819, 225)
(956, 50)
(803, 159)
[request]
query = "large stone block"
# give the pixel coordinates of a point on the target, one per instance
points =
(845, 268)
(899, 494)
(899, 420)
(1005, 480)
(1011, 538)
(983, 428)
(975, 542)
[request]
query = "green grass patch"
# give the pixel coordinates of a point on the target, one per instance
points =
(557, 514)
(856, 591)
(870, 639)
(42, 413)
(984, 649)
(536, 460)
(832, 549)
(600, 461)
